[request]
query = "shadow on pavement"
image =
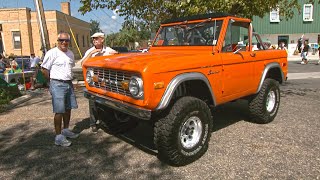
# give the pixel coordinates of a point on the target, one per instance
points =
(26, 153)
(29, 154)
(223, 116)
(82, 125)
(229, 114)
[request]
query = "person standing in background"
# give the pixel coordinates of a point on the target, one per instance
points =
(13, 63)
(3, 64)
(97, 50)
(57, 66)
(304, 52)
(34, 61)
(319, 56)
(282, 46)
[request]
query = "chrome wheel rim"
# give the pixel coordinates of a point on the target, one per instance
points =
(271, 101)
(190, 132)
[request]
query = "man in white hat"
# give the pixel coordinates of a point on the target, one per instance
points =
(97, 50)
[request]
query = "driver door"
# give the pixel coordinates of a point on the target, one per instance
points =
(237, 61)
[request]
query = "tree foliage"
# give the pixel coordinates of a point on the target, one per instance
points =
(131, 32)
(94, 27)
(152, 12)
(158, 10)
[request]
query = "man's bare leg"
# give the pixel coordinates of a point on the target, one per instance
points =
(58, 123)
(66, 118)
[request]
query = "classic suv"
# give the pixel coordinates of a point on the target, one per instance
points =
(195, 63)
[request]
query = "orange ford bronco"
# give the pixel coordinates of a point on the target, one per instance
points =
(195, 63)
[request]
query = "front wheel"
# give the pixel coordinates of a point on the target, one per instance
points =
(182, 136)
(263, 107)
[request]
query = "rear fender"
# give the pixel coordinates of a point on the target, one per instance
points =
(267, 69)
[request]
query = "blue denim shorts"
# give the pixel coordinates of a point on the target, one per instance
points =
(63, 96)
(304, 55)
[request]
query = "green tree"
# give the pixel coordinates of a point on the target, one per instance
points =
(132, 31)
(94, 27)
(125, 37)
(153, 11)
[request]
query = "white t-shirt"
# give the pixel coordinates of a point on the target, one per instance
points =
(59, 63)
(34, 61)
(106, 51)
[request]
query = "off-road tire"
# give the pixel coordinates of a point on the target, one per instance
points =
(258, 108)
(168, 131)
(112, 125)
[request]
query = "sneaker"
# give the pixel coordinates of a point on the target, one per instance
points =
(69, 134)
(61, 140)
(302, 62)
(94, 129)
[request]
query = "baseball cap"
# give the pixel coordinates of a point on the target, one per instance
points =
(98, 34)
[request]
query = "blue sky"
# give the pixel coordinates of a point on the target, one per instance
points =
(109, 21)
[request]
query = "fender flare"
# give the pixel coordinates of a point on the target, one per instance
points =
(265, 72)
(176, 81)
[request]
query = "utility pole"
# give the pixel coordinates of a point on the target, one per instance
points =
(42, 26)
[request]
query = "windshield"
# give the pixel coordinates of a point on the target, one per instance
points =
(205, 33)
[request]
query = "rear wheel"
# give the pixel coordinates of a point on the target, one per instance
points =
(263, 107)
(182, 136)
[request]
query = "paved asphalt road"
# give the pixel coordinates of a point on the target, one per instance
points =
(287, 148)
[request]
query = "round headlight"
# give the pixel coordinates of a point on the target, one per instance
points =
(89, 76)
(136, 86)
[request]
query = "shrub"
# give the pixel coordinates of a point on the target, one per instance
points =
(5, 97)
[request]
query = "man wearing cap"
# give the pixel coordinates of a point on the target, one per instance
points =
(97, 50)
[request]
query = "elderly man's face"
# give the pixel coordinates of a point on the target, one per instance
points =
(63, 42)
(97, 41)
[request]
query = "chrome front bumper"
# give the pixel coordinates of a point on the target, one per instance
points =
(121, 106)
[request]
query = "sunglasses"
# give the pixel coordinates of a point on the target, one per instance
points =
(64, 40)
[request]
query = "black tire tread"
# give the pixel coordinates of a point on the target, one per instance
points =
(163, 135)
(257, 105)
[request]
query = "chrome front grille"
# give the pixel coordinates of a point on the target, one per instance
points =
(111, 80)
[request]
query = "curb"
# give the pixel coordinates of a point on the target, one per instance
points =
(298, 58)
(18, 101)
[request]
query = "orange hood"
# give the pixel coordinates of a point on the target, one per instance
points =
(163, 61)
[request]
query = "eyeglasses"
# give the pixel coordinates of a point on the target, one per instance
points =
(64, 40)
(96, 38)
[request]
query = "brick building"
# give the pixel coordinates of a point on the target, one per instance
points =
(20, 34)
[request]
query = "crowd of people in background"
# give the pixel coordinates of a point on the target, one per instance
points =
(303, 48)
(31, 63)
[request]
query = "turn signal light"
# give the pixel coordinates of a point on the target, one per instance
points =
(158, 85)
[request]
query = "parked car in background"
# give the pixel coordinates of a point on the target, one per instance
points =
(121, 49)
(25, 60)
